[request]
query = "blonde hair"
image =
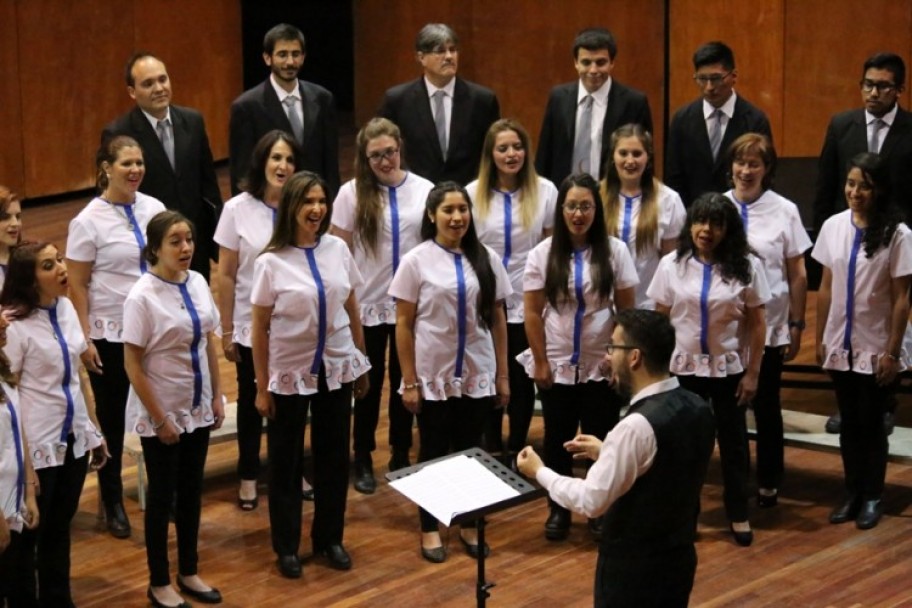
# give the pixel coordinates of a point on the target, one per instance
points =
(487, 173)
(369, 203)
(647, 228)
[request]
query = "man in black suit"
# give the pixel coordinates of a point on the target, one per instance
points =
(881, 127)
(562, 145)
(702, 131)
(179, 167)
(303, 109)
(443, 118)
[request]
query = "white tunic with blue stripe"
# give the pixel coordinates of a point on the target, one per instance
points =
(454, 353)
(579, 330)
(860, 304)
(707, 313)
(12, 459)
(171, 321)
(44, 349)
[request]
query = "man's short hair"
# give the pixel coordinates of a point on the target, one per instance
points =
(890, 62)
(128, 71)
(595, 39)
(652, 333)
(282, 31)
(712, 53)
(433, 36)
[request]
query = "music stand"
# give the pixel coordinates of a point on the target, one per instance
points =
(526, 493)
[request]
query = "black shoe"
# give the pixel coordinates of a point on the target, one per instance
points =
(118, 524)
(889, 423)
(207, 597)
(869, 514)
(364, 476)
(557, 526)
(833, 424)
(337, 555)
(289, 566)
(767, 501)
(595, 528)
(846, 511)
(437, 555)
(154, 601)
(742, 538)
(472, 550)
(248, 504)
(308, 494)
(399, 460)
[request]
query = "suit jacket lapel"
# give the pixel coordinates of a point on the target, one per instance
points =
(568, 109)
(182, 135)
(899, 130)
(147, 137)
(310, 110)
(425, 118)
(459, 117)
(274, 107)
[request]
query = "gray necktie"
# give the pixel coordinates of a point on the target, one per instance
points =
(440, 121)
(582, 148)
(715, 132)
(875, 133)
(164, 134)
(292, 111)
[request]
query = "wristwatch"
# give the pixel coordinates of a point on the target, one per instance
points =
(799, 324)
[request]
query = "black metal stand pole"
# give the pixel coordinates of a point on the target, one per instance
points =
(481, 586)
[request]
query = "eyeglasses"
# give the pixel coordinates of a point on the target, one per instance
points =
(388, 154)
(611, 347)
(583, 208)
(882, 87)
(713, 79)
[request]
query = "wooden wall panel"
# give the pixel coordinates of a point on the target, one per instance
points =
(11, 166)
(202, 50)
(754, 31)
(519, 49)
(826, 44)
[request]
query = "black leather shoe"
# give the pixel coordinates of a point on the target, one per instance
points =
(742, 538)
(869, 514)
(157, 604)
(437, 555)
(364, 477)
(846, 511)
(206, 597)
(557, 526)
(289, 566)
(399, 459)
(337, 555)
(472, 550)
(308, 494)
(118, 524)
(595, 528)
(767, 501)
(833, 424)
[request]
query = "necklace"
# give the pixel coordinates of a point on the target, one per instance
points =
(122, 210)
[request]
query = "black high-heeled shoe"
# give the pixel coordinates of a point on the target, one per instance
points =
(742, 538)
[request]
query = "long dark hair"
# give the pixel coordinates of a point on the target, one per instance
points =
(20, 289)
(883, 216)
(368, 189)
(254, 183)
(732, 251)
(557, 276)
(294, 195)
(472, 249)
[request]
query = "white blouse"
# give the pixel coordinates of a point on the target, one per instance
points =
(671, 221)
(454, 353)
(861, 305)
(307, 289)
(707, 313)
(245, 227)
(502, 230)
(775, 232)
(399, 232)
(12, 460)
(111, 237)
(579, 330)
(44, 349)
(172, 321)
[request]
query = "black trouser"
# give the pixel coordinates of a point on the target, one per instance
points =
(111, 389)
(522, 398)
(863, 440)
(768, 415)
(329, 437)
(58, 502)
(591, 407)
(17, 575)
(367, 409)
(731, 431)
(175, 472)
(249, 421)
(449, 426)
(657, 581)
